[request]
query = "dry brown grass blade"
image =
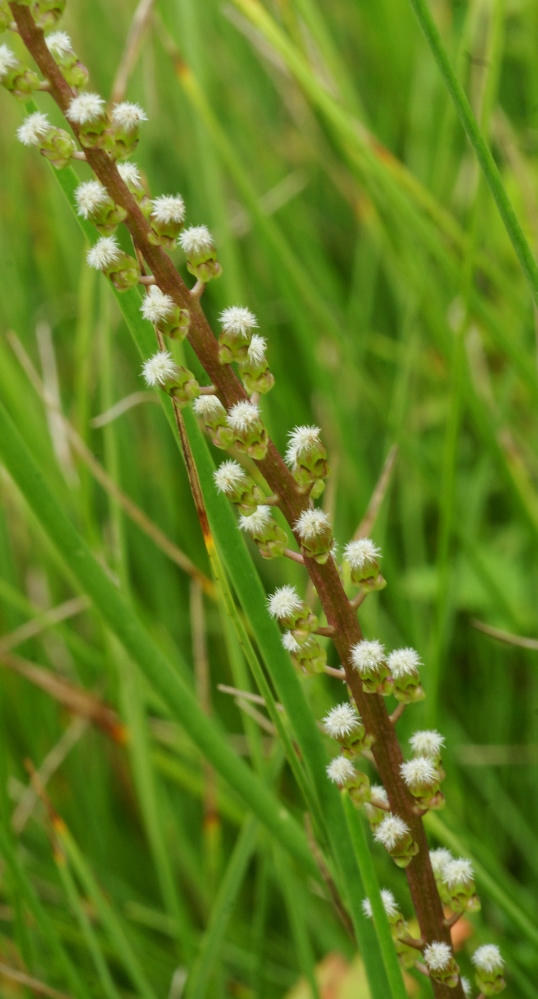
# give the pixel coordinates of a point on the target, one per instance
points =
(52, 762)
(365, 527)
(131, 509)
(75, 699)
(139, 26)
(506, 636)
(40, 988)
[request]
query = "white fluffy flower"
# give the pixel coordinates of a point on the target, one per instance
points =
(361, 552)
(311, 524)
(340, 770)
(457, 872)
(419, 771)
(391, 831)
(403, 662)
(59, 43)
(466, 985)
(129, 173)
(302, 440)
(488, 958)
(256, 349)
(367, 656)
(159, 369)
(290, 642)
(208, 407)
(427, 743)
(437, 956)
(156, 305)
(128, 115)
(168, 208)
(389, 904)
(8, 60)
(229, 475)
(367, 908)
(238, 320)
(196, 239)
(284, 601)
(33, 128)
(243, 416)
(85, 108)
(90, 196)
(379, 793)
(104, 253)
(257, 521)
(341, 720)
(439, 859)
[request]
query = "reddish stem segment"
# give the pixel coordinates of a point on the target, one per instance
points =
(340, 614)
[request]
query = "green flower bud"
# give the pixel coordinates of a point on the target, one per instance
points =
(307, 458)
(240, 488)
(422, 779)
(307, 655)
(342, 772)
(47, 13)
(53, 143)
(459, 888)
(166, 220)
(292, 613)
(264, 530)
(344, 724)
(250, 435)
(234, 341)
(107, 256)
(130, 174)
(124, 132)
(255, 370)
(395, 836)
(161, 310)
(362, 556)
(215, 418)
(403, 666)
(6, 17)
(368, 658)
(61, 49)
(95, 204)
(374, 814)
(441, 964)
(315, 533)
(197, 242)
(489, 966)
(15, 76)
(88, 112)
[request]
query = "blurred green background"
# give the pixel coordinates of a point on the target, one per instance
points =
(321, 148)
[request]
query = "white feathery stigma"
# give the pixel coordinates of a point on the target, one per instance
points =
(379, 793)
(168, 208)
(367, 656)
(129, 173)
(488, 958)
(403, 662)
(238, 320)
(229, 475)
(257, 521)
(105, 251)
(159, 369)
(156, 305)
(457, 872)
(85, 108)
(427, 743)
(340, 770)
(419, 771)
(341, 721)
(290, 642)
(284, 601)
(256, 349)
(311, 523)
(391, 831)
(437, 956)
(128, 115)
(243, 416)
(302, 440)
(8, 60)
(196, 239)
(90, 196)
(439, 859)
(366, 906)
(33, 128)
(59, 43)
(466, 985)
(389, 902)
(208, 407)
(361, 552)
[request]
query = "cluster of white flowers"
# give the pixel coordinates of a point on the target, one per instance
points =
(85, 108)
(379, 794)
(128, 115)
(159, 369)
(243, 416)
(439, 859)
(8, 60)
(361, 552)
(390, 831)
(367, 656)
(457, 871)
(427, 743)
(157, 305)
(302, 440)
(256, 349)
(208, 407)
(33, 129)
(89, 197)
(238, 320)
(389, 904)
(59, 44)
(129, 172)
(290, 642)
(311, 524)
(437, 956)
(196, 239)
(341, 770)
(419, 771)
(104, 253)
(257, 521)
(341, 720)
(403, 662)
(488, 958)
(168, 208)
(284, 601)
(229, 474)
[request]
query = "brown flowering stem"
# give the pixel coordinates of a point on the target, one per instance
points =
(339, 611)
